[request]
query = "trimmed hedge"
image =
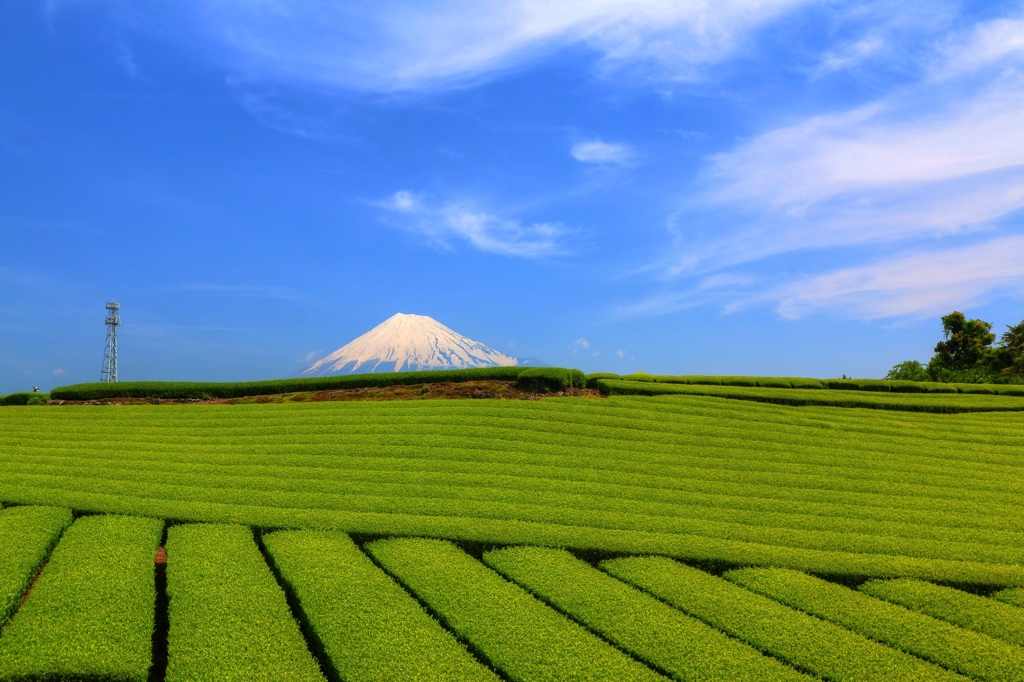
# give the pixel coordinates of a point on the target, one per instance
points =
(998, 389)
(941, 404)
(90, 615)
(856, 384)
(704, 380)
(965, 651)
(592, 379)
(806, 383)
(205, 390)
(229, 619)
(551, 379)
(881, 385)
(25, 399)
(517, 633)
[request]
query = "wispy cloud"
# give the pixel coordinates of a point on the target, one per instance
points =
(877, 147)
(724, 288)
(913, 284)
(454, 221)
(603, 153)
(932, 159)
(849, 56)
(318, 117)
(126, 59)
(416, 44)
(581, 343)
(938, 158)
(986, 44)
(919, 284)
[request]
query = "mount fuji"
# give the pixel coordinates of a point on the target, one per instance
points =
(412, 342)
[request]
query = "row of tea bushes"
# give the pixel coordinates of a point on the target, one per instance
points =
(799, 382)
(27, 534)
(206, 390)
(91, 612)
(514, 631)
(659, 635)
(228, 617)
(365, 626)
(943, 403)
(423, 609)
(876, 495)
(970, 653)
(24, 399)
(822, 648)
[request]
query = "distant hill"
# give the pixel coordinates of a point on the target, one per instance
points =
(405, 343)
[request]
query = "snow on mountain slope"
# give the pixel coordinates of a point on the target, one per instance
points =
(410, 342)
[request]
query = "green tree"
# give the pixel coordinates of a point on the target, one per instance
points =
(1010, 352)
(965, 342)
(911, 370)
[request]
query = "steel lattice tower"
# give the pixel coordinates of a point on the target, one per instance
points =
(109, 371)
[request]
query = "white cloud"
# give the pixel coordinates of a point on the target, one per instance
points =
(850, 55)
(911, 284)
(59, 373)
(582, 342)
(418, 44)
(317, 117)
(620, 353)
(126, 59)
(405, 201)
(484, 231)
(927, 283)
(986, 44)
(941, 157)
(875, 147)
(933, 159)
(598, 152)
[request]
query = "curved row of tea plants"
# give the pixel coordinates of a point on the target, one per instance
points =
(204, 390)
(939, 402)
(878, 385)
(857, 492)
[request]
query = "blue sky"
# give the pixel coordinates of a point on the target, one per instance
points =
(747, 186)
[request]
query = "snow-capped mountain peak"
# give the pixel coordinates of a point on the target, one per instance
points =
(410, 342)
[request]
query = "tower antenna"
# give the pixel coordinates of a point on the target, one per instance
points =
(109, 371)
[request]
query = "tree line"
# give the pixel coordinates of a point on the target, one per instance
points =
(969, 354)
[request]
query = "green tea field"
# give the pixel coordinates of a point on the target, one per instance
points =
(709, 533)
